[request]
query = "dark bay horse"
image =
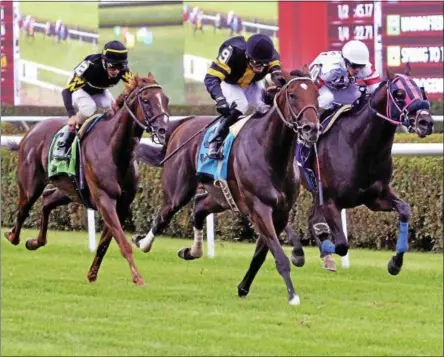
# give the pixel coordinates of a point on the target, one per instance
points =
(261, 177)
(109, 167)
(356, 165)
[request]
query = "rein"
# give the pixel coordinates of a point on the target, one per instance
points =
(147, 119)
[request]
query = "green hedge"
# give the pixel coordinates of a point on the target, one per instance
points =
(417, 180)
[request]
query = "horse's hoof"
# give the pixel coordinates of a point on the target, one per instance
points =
(92, 278)
(8, 237)
(185, 254)
(392, 268)
(241, 292)
(295, 300)
(341, 250)
(136, 240)
(298, 260)
(29, 245)
(139, 282)
(298, 257)
(329, 263)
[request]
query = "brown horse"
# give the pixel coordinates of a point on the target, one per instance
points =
(356, 165)
(261, 176)
(110, 170)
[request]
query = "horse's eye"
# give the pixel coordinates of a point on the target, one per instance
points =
(145, 100)
(293, 96)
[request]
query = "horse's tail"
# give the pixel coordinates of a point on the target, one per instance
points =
(149, 154)
(12, 146)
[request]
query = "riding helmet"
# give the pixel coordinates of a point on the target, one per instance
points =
(115, 52)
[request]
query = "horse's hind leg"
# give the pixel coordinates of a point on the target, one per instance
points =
(52, 198)
(176, 194)
(31, 182)
(260, 253)
(387, 202)
(297, 254)
(104, 242)
(204, 204)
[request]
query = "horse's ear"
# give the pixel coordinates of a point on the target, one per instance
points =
(408, 69)
(389, 73)
(306, 70)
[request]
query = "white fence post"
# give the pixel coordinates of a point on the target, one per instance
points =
(345, 259)
(91, 230)
(210, 235)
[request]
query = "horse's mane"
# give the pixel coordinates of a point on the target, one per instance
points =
(129, 87)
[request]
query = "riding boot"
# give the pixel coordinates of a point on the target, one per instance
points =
(214, 149)
(64, 144)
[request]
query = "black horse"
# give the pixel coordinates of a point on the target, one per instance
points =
(356, 166)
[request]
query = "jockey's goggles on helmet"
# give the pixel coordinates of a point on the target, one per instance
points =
(258, 63)
(118, 66)
(353, 65)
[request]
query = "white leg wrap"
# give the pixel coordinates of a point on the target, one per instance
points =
(196, 249)
(146, 243)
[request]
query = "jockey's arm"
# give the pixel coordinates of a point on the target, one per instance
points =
(75, 84)
(372, 79)
(275, 70)
(215, 75)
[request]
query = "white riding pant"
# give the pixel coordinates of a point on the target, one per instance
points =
(327, 96)
(247, 99)
(88, 104)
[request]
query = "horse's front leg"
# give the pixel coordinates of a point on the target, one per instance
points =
(389, 201)
(262, 217)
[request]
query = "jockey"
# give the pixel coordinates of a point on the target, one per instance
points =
(234, 77)
(87, 90)
(338, 75)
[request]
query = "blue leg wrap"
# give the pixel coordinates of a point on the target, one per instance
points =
(327, 247)
(402, 244)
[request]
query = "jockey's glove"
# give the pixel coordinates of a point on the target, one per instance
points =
(222, 106)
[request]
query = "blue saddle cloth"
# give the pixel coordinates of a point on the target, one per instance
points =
(210, 169)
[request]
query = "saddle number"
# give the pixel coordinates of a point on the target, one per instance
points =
(225, 55)
(81, 68)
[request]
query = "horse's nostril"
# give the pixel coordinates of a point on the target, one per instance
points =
(162, 131)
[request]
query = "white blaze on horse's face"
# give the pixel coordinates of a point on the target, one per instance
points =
(304, 86)
(162, 107)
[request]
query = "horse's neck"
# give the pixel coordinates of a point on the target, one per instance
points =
(375, 135)
(279, 142)
(125, 133)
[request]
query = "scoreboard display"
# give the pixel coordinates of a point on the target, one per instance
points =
(10, 90)
(412, 32)
(351, 20)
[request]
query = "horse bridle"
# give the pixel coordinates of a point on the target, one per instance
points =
(148, 120)
(292, 121)
(403, 112)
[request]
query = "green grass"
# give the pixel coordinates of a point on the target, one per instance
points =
(65, 55)
(164, 58)
(191, 308)
(262, 10)
(76, 13)
(126, 16)
(207, 44)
